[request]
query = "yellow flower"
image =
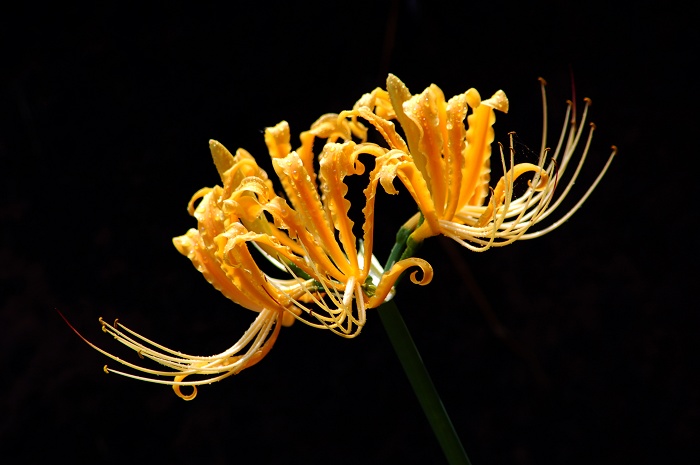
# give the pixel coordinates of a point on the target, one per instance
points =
(331, 282)
(445, 164)
(328, 278)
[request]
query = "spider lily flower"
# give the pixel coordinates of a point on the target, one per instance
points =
(446, 166)
(331, 281)
(310, 238)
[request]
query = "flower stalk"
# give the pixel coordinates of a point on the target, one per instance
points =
(422, 384)
(411, 360)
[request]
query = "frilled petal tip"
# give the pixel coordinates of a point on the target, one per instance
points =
(498, 101)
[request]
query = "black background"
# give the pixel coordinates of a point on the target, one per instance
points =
(579, 347)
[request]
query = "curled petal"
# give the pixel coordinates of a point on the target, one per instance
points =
(389, 278)
(329, 127)
(498, 101)
(386, 128)
(201, 193)
(216, 273)
(395, 163)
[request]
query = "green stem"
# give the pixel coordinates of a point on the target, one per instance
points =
(399, 246)
(405, 246)
(422, 385)
(412, 362)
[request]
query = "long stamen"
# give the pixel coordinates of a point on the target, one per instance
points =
(335, 318)
(221, 365)
(581, 201)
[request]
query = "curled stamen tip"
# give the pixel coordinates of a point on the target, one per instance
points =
(116, 320)
(542, 81)
(105, 369)
(593, 126)
(614, 149)
(588, 101)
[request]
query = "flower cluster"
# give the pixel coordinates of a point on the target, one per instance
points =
(446, 165)
(332, 278)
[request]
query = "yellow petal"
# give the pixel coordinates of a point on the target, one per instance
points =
(427, 111)
(336, 162)
(389, 278)
(477, 155)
